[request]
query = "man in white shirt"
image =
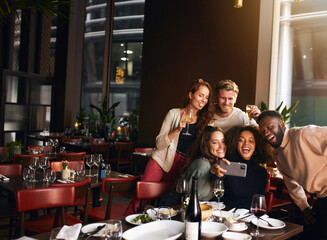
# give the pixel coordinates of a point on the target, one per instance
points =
(227, 115)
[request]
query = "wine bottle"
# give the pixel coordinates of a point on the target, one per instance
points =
(193, 214)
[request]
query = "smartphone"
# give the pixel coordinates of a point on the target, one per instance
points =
(234, 169)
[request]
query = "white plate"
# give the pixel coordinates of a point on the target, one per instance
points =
(236, 236)
(225, 214)
(212, 229)
(158, 230)
(91, 227)
(215, 204)
(277, 223)
(130, 218)
(152, 213)
(239, 230)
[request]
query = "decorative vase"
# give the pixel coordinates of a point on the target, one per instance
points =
(65, 174)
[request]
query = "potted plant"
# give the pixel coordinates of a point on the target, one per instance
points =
(65, 174)
(14, 147)
(107, 115)
(286, 112)
(131, 121)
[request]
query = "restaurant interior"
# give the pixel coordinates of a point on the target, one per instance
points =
(64, 68)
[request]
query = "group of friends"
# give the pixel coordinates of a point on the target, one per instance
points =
(222, 132)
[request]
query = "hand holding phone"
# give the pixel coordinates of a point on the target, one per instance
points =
(234, 169)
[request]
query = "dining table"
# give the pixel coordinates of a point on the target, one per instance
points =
(290, 230)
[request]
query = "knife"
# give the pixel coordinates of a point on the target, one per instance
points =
(98, 229)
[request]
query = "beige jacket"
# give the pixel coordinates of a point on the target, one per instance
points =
(165, 150)
(302, 160)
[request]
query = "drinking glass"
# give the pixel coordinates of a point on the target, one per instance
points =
(44, 164)
(164, 213)
(182, 189)
(89, 163)
(97, 162)
(50, 175)
(218, 191)
(114, 230)
(27, 174)
(81, 170)
(247, 111)
(34, 165)
(55, 145)
(188, 118)
(108, 170)
(258, 208)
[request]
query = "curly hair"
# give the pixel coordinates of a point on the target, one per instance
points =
(270, 113)
(201, 147)
(263, 151)
(206, 114)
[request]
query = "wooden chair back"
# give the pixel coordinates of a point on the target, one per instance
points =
(151, 191)
(124, 154)
(24, 159)
(56, 166)
(39, 198)
(71, 156)
(10, 169)
(101, 148)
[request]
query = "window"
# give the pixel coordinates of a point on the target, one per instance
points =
(302, 60)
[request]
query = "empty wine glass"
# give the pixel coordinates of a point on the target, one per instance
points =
(34, 165)
(258, 208)
(182, 188)
(89, 163)
(55, 145)
(97, 162)
(50, 175)
(44, 164)
(108, 170)
(27, 174)
(114, 230)
(81, 170)
(188, 117)
(218, 191)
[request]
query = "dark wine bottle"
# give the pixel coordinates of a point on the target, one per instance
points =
(193, 214)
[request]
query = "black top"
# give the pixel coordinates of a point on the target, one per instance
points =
(185, 141)
(240, 190)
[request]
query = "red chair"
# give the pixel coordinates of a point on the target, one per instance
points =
(71, 156)
(151, 191)
(40, 198)
(82, 198)
(124, 155)
(40, 148)
(8, 210)
(10, 169)
(56, 166)
(71, 140)
(113, 186)
(96, 140)
(24, 159)
(101, 148)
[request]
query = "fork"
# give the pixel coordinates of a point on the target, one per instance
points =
(269, 224)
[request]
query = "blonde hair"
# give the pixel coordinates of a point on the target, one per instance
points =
(227, 85)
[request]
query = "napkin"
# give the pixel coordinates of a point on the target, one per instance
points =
(3, 178)
(65, 181)
(69, 232)
(124, 175)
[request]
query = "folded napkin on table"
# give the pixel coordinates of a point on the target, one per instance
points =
(69, 232)
(65, 181)
(3, 178)
(124, 175)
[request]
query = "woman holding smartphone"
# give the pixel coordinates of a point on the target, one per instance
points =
(245, 145)
(179, 130)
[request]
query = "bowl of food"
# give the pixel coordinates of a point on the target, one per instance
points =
(206, 211)
(236, 236)
(235, 225)
(212, 229)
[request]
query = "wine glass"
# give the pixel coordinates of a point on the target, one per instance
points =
(182, 188)
(89, 163)
(44, 164)
(258, 208)
(114, 230)
(27, 175)
(108, 170)
(55, 145)
(188, 118)
(34, 165)
(81, 170)
(97, 162)
(218, 191)
(50, 175)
